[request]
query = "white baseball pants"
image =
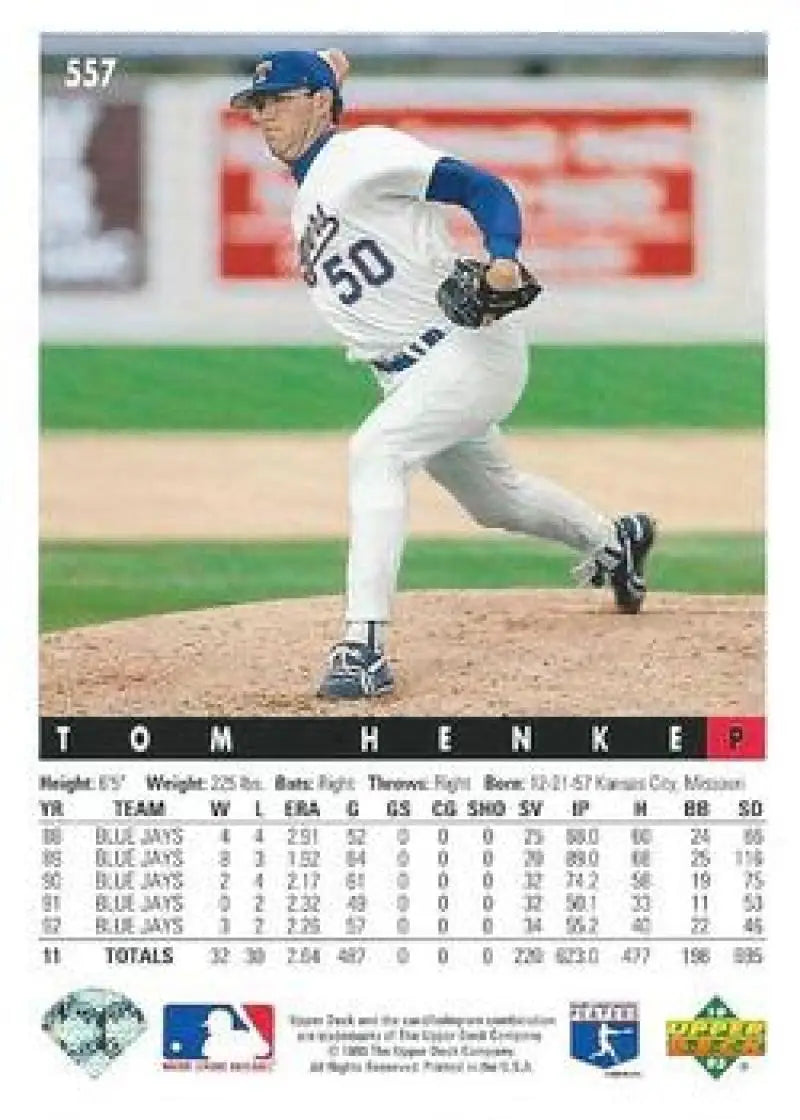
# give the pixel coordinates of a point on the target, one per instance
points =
(442, 413)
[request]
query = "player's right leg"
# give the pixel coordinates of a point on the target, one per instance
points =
(482, 479)
(480, 476)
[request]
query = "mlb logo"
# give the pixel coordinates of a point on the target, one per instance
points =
(233, 1037)
(604, 1034)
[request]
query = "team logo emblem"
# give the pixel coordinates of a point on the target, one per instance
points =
(94, 1027)
(716, 1037)
(219, 1036)
(604, 1034)
(263, 68)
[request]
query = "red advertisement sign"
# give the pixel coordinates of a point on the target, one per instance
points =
(606, 193)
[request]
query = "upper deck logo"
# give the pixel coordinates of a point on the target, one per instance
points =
(94, 1026)
(716, 1037)
(219, 1036)
(604, 1034)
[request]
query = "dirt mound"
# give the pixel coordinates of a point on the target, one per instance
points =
(454, 653)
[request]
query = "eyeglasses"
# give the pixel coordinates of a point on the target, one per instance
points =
(260, 100)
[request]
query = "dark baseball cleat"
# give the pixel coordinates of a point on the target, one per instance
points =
(636, 533)
(622, 567)
(355, 670)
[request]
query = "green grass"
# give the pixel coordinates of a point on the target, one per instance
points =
(164, 388)
(88, 583)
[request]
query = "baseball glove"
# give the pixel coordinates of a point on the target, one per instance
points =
(469, 301)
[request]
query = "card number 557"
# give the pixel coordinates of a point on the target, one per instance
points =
(89, 73)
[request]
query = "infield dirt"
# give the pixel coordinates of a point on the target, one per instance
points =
(454, 653)
(270, 487)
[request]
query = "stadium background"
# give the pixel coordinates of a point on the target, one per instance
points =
(195, 414)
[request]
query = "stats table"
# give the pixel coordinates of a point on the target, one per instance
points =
(517, 845)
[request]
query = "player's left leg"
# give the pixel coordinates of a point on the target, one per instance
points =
(437, 406)
(445, 398)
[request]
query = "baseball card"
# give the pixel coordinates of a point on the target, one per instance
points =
(402, 698)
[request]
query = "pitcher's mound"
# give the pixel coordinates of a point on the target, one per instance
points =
(514, 652)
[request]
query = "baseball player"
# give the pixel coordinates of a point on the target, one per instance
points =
(605, 1049)
(440, 336)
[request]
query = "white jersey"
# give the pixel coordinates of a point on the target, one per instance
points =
(372, 250)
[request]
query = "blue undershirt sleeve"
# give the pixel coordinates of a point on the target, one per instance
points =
(488, 199)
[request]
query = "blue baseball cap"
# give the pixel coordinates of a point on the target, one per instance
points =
(284, 70)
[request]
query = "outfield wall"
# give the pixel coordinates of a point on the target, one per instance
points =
(646, 198)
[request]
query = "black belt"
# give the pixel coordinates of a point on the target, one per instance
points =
(418, 349)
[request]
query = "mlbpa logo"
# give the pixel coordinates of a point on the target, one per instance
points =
(219, 1035)
(604, 1034)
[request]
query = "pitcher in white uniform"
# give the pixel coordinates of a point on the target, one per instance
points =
(373, 248)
